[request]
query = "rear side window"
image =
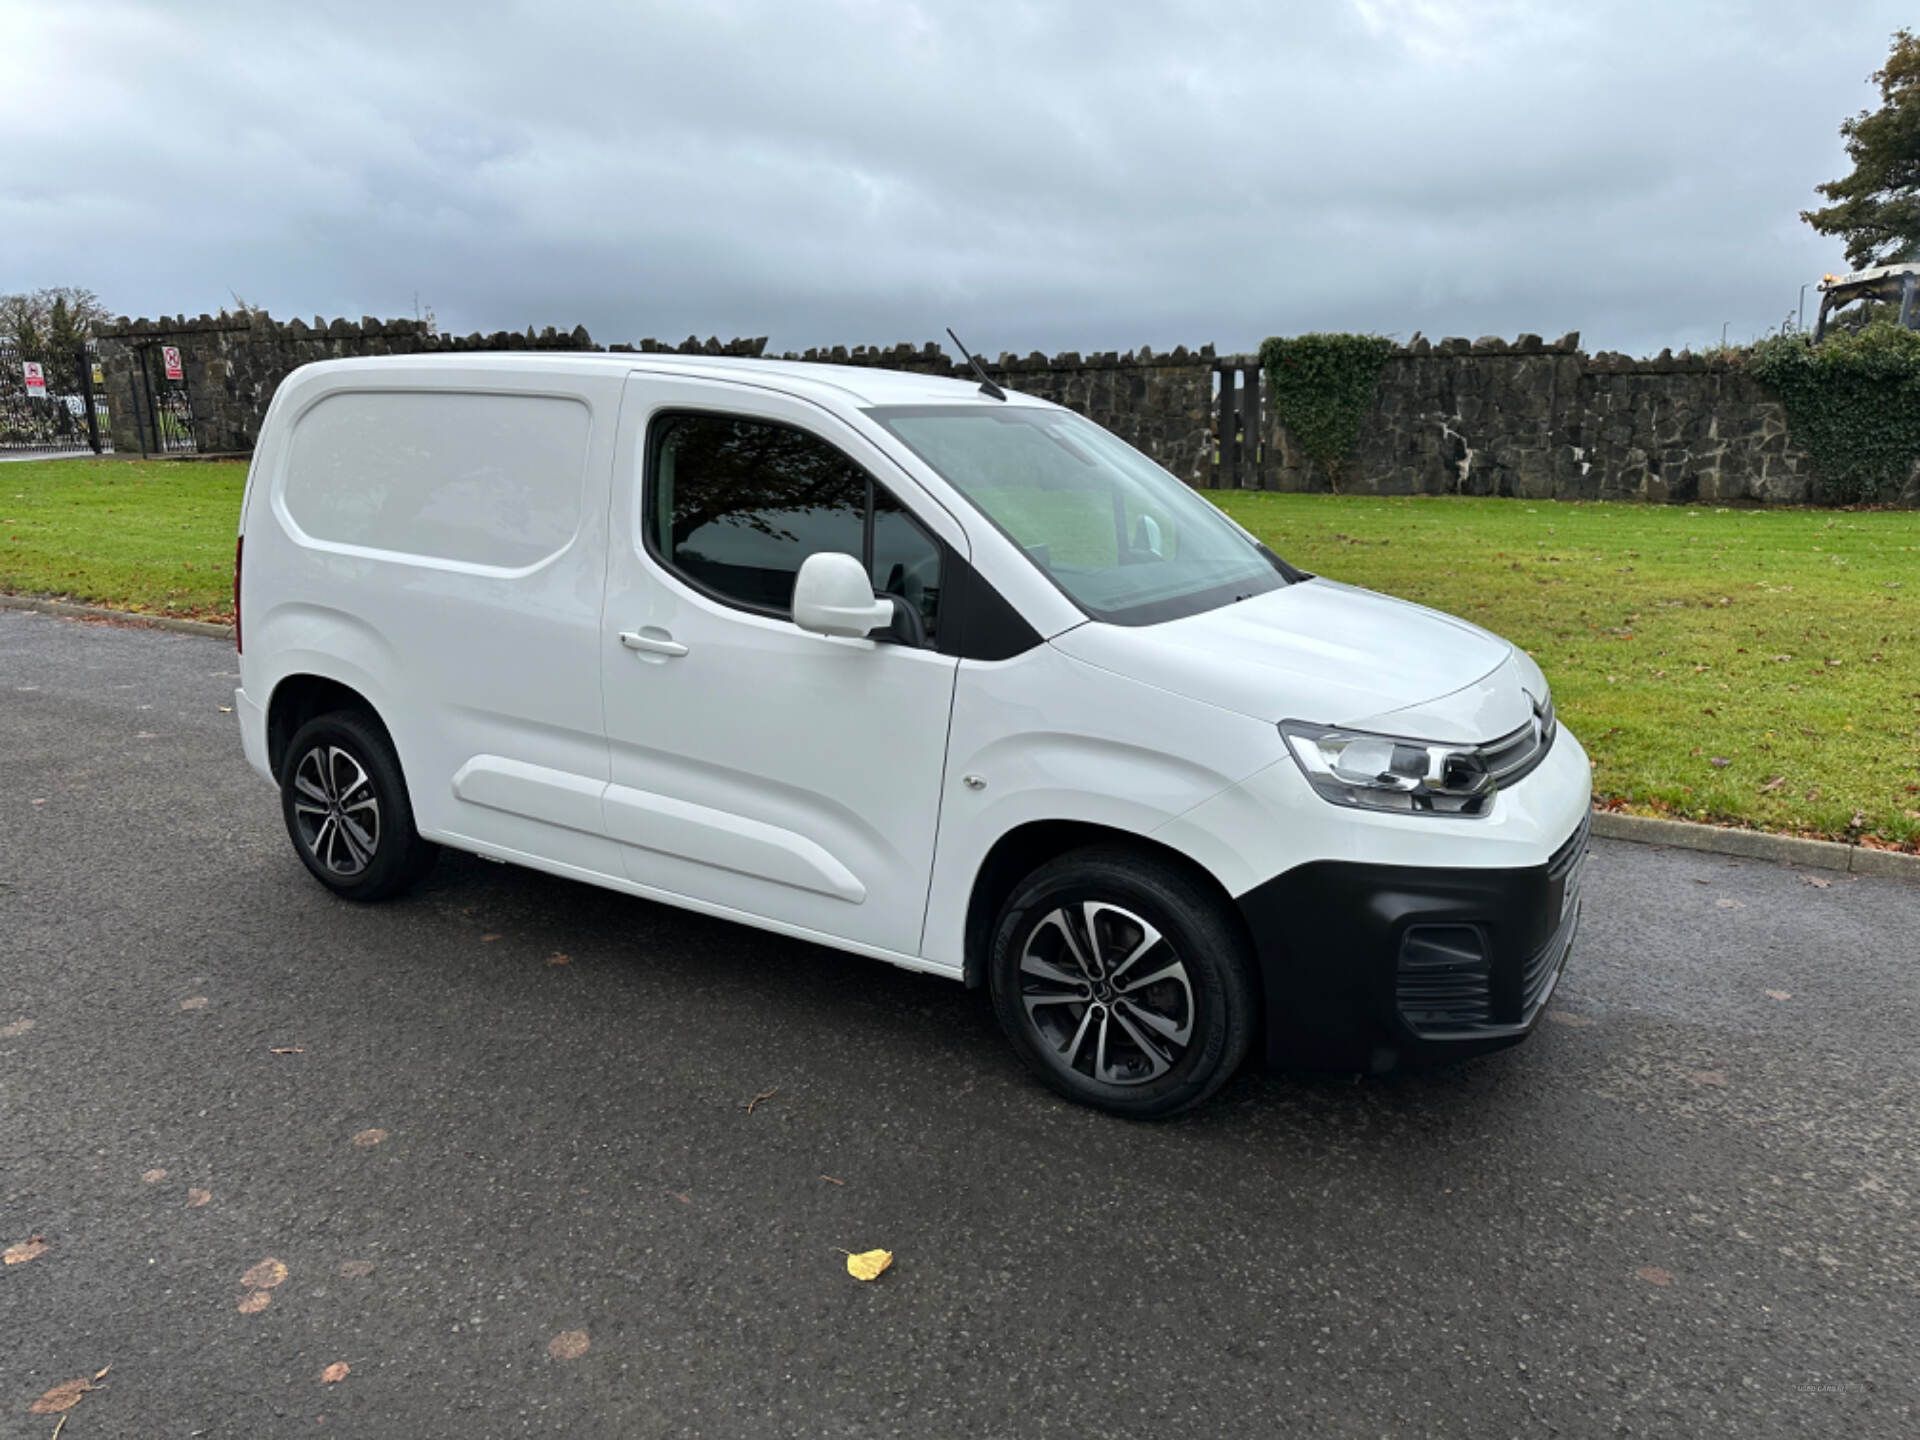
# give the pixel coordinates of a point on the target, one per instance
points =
(485, 479)
(735, 506)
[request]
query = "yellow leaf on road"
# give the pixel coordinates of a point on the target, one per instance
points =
(868, 1264)
(335, 1373)
(264, 1276)
(367, 1139)
(254, 1301)
(569, 1345)
(26, 1250)
(197, 1198)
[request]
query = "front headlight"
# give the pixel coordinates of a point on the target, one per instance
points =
(1387, 772)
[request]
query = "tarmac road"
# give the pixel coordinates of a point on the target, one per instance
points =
(1686, 1207)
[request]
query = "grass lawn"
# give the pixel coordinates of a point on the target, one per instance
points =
(148, 535)
(1750, 666)
(1754, 666)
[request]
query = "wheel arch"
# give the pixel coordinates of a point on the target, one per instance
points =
(300, 697)
(1027, 847)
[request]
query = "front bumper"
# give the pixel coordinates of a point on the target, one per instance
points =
(1370, 967)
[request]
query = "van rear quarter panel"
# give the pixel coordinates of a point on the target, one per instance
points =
(460, 657)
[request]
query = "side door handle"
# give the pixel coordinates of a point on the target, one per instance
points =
(652, 644)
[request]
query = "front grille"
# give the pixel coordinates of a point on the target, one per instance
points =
(1564, 871)
(1573, 850)
(1445, 981)
(1514, 756)
(1536, 980)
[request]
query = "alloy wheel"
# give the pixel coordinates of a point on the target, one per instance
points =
(1106, 993)
(337, 810)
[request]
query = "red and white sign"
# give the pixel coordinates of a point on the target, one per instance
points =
(170, 354)
(36, 379)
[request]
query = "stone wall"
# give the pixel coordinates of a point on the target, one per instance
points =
(1547, 421)
(232, 364)
(1485, 417)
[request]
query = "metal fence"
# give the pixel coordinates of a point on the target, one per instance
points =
(52, 401)
(163, 415)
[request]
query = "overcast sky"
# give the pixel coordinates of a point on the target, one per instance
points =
(1045, 175)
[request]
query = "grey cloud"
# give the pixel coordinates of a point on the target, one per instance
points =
(1086, 175)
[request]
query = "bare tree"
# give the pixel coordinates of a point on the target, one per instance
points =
(27, 317)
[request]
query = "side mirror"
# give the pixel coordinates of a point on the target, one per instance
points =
(833, 596)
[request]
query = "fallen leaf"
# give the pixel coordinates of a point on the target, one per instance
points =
(367, 1139)
(763, 1095)
(287, 1050)
(558, 959)
(1819, 882)
(197, 1198)
(15, 1030)
(335, 1373)
(264, 1276)
(831, 1181)
(1779, 994)
(29, 1249)
(198, 1002)
(569, 1345)
(226, 709)
(682, 1196)
(62, 1397)
(1719, 762)
(1777, 783)
(153, 1177)
(1726, 904)
(254, 1301)
(488, 939)
(1654, 1275)
(1563, 1017)
(868, 1264)
(355, 1269)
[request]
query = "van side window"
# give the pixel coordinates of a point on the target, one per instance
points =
(443, 475)
(735, 505)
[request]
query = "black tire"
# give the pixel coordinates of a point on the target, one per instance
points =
(1064, 1018)
(347, 811)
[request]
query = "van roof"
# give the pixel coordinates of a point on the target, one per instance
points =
(863, 384)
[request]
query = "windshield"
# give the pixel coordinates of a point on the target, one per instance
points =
(1125, 540)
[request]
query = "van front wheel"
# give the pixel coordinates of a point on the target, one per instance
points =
(1122, 984)
(347, 811)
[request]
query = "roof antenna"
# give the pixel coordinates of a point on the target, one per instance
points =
(986, 386)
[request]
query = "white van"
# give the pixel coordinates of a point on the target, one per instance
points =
(912, 667)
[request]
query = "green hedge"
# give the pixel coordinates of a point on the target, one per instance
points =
(1853, 401)
(1322, 387)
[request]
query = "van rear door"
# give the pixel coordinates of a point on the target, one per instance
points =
(441, 549)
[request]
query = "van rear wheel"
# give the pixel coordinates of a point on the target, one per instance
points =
(1122, 984)
(347, 811)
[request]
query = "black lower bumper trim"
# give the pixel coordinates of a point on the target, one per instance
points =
(1331, 937)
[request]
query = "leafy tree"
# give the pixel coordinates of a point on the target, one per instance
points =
(1876, 209)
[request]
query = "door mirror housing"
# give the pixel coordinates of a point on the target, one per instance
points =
(833, 596)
